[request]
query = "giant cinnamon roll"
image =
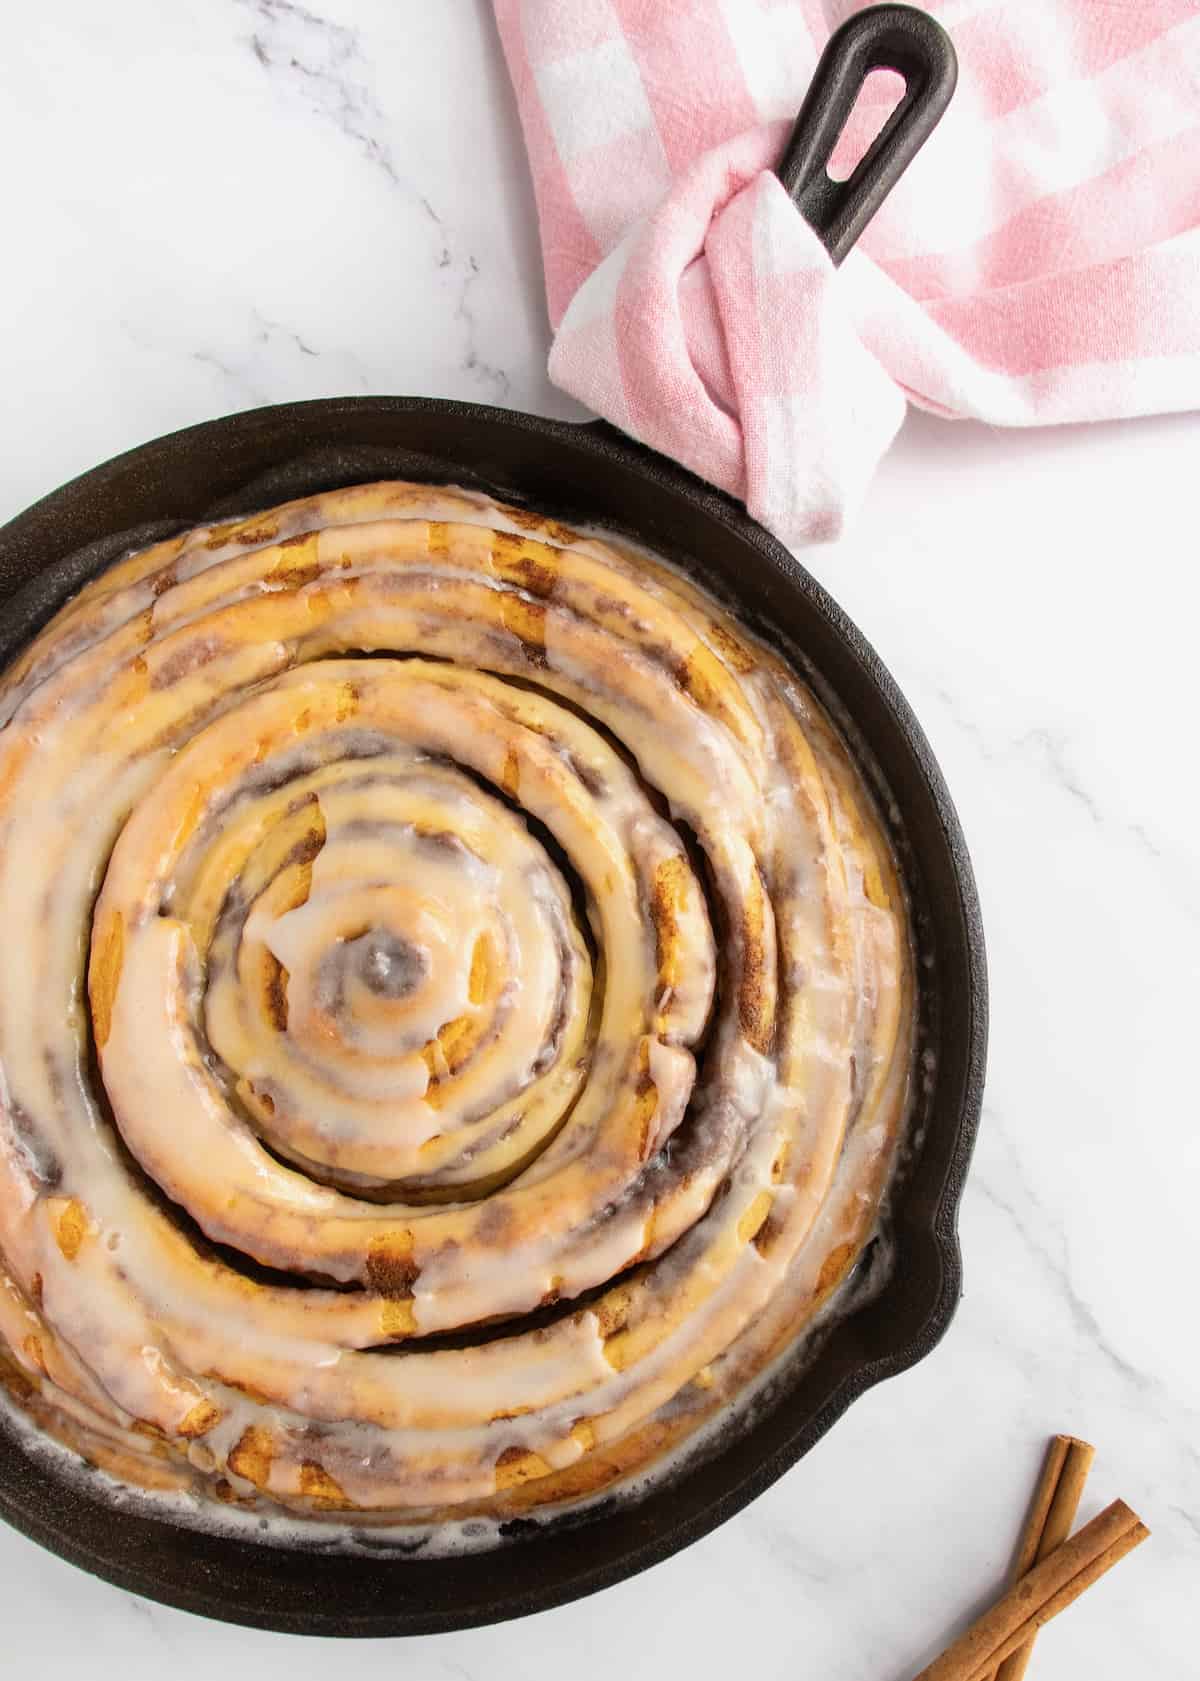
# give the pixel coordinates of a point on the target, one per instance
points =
(457, 1013)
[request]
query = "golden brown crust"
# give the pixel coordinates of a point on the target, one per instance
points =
(458, 916)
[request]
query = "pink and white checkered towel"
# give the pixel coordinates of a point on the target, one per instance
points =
(1039, 262)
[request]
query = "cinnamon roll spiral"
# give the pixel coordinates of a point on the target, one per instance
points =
(458, 1012)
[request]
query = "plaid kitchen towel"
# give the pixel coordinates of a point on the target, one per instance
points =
(1039, 262)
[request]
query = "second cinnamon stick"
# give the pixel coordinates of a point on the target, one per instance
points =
(1051, 1516)
(1041, 1594)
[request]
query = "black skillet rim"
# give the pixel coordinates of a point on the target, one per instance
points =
(246, 1583)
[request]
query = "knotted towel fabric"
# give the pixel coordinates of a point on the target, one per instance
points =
(1040, 261)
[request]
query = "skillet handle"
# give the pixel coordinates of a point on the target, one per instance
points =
(889, 37)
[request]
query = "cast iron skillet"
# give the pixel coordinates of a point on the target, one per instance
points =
(253, 460)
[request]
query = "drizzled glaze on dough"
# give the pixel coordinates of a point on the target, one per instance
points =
(557, 967)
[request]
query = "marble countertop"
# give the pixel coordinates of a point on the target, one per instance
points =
(212, 206)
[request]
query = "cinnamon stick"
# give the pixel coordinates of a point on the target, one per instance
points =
(1041, 1594)
(1051, 1516)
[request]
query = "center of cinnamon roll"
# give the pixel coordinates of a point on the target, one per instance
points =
(389, 966)
(387, 1013)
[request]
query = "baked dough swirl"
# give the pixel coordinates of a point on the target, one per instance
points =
(457, 1016)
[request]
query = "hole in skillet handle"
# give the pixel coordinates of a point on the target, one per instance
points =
(898, 38)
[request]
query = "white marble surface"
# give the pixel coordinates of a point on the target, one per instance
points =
(220, 203)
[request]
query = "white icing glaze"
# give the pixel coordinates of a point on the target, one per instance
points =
(326, 926)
